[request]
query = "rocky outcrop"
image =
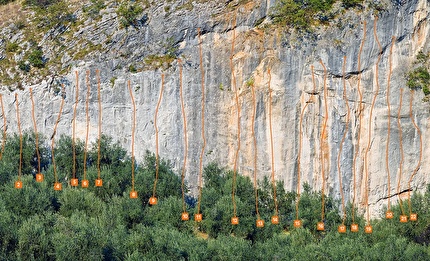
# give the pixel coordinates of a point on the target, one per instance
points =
(256, 50)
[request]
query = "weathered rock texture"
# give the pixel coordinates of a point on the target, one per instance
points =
(256, 51)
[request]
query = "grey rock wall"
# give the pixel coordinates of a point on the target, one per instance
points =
(289, 58)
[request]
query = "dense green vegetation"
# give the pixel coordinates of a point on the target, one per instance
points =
(303, 14)
(38, 223)
(128, 13)
(3, 2)
(41, 3)
(419, 77)
(51, 13)
(165, 58)
(35, 58)
(94, 8)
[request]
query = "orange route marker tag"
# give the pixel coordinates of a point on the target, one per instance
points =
(85, 183)
(133, 194)
(18, 184)
(58, 186)
(39, 177)
(198, 217)
(99, 182)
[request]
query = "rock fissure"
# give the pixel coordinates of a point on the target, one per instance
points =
(392, 195)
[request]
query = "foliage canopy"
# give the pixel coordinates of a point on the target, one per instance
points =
(38, 223)
(304, 14)
(419, 77)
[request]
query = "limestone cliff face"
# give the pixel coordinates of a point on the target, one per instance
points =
(256, 51)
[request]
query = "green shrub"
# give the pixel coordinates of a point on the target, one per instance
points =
(24, 66)
(229, 248)
(81, 200)
(419, 78)
(53, 14)
(87, 235)
(36, 58)
(165, 243)
(164, 60)
(155, 61)
(8, 231)
(132, 69)
(301, 14)
(351, 3)
(59, 14)
(4, 2)
(40, 3)
(34, 237)
(112, 155)
(30, 200)
(88, 49)
(422, 57)
(128, 14)
(11, 47)
(168, 184)
(112, 81)
(10, 158)
(64, 156)
(94, 8)
(21, 23)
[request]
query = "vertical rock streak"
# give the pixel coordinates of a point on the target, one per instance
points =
(299, 153)
(4, 127)
(157, 156)
(185, 137)
(55, 131)
(202, 152)
(402, 157)
(421, 150)
(236, 91)
(35, 130)
(343, 141)
(369, 138)
(272, 154)
(254, 141)
(87, 121)
(74, 125)
(20, 136)
(360, 115)
(323, 144)
(133, 130)
(387, 147)
(99, 125)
